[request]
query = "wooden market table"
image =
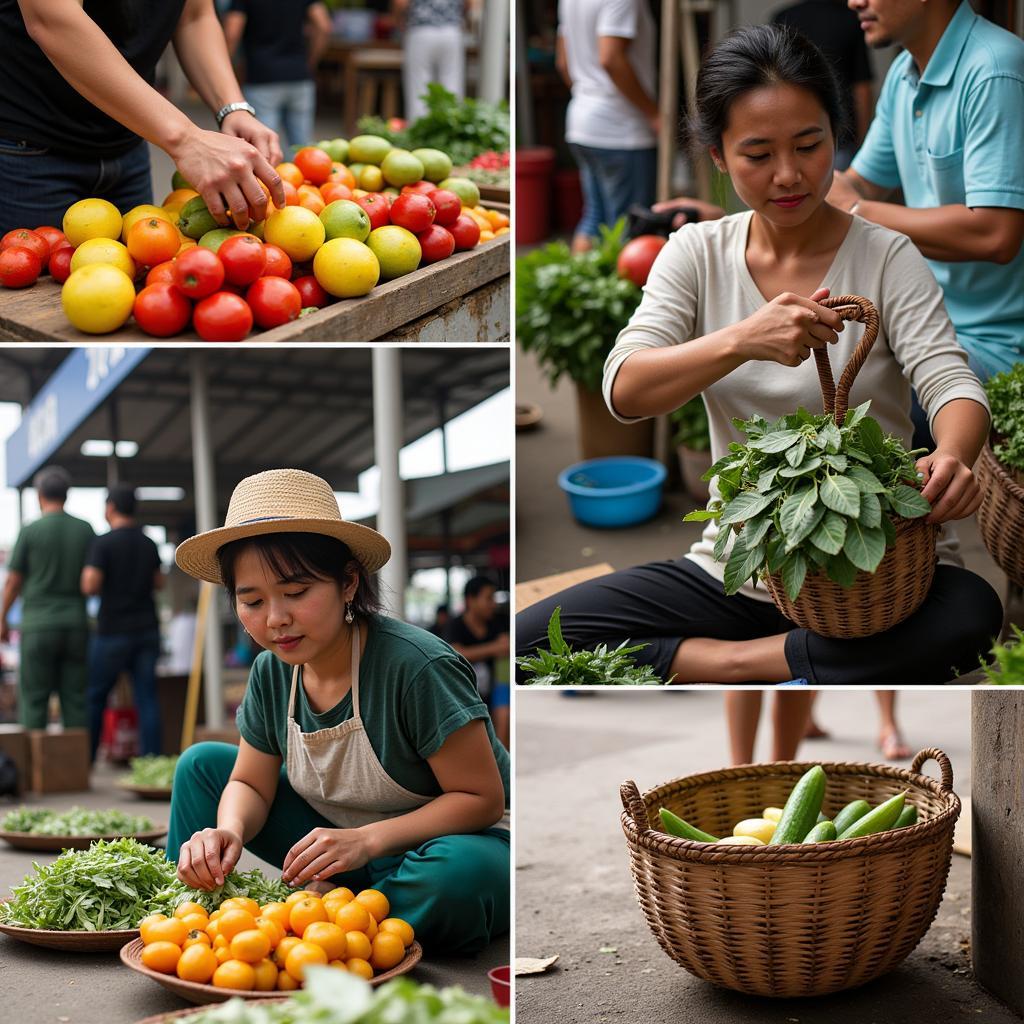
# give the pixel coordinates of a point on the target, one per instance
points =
(464, 298)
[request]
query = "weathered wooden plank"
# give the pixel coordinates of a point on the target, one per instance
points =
(997, 843)
(35, 315)
(482, 315)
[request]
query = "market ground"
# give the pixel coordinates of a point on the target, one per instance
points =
(574, 893)
(41, 986)
(549, 540)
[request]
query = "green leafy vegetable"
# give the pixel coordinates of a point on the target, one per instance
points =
(811, 496)
(152, 770)
(1009, 667)
(570, 308)
(76, 822)
(562, 666)
(461, 128)
(253, 884)
(1006, 397)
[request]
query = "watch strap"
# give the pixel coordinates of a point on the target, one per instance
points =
(230, 108)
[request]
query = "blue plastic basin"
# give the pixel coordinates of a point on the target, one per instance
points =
(620, 490)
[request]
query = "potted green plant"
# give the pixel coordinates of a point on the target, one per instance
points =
(692, 438)
(1008, 669)
(570, 308)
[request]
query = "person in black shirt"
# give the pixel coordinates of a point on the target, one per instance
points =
(282, 41)
(123, 567)
(481, 639)
(76, 94)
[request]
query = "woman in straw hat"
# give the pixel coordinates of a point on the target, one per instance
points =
(366, 758)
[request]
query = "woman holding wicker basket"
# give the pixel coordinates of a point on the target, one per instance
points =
(733, 310)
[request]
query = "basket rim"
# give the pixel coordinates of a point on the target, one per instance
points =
(654, 841)
(999, 471)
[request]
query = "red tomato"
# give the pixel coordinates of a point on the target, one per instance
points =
(637, 257)
(55, 238)
(274, 301)
(243, 258)
(377, 209)
(311, 293)
(279, 263)
(413, 212)
(424, 188)
(162, 273)
(161, 310)
(222, 316)
(303, 269)
(19, 267)
(59, 264)
(315, 164)
(447, 204)
(437, 243)
(27, 239)
(198, 272)
(465, 231)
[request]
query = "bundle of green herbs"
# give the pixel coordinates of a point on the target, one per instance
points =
(333, 997)
(77, 821)
(806, 494)
(1008, 669)
(156, 770)
(1006, 398)
(562, 666)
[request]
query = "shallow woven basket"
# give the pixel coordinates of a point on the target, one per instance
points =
(895, 590)
(791, 920)
(1001, 515)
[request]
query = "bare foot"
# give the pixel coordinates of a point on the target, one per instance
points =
(815, 731)
(893, 746)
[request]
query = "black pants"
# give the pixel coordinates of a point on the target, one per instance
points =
(663, 603)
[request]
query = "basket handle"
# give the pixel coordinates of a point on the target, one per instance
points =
(836, 400)
(634, 805)
(934, 754)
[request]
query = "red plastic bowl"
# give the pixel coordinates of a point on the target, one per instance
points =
(501, 987)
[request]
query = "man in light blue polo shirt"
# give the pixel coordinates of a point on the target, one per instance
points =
(949, 131)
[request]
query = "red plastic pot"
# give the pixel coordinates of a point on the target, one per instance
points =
(568, 199)
(534, 167)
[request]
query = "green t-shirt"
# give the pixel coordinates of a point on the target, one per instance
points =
(414, 692)
(50, 553)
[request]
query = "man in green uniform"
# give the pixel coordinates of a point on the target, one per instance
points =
(45, 569)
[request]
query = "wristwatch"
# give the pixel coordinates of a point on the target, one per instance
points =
(230, 108)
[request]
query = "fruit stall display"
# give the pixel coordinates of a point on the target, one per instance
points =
(363, 220)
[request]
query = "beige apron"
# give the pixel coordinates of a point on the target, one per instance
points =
(336, 770)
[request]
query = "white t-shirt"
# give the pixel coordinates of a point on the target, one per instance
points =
(599, 115)
(700, 283)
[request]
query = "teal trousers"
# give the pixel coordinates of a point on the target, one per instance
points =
(453, 890)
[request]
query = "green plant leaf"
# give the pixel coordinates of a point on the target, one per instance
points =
(766, 479)
(830, 533)
(870, 510)
(871, 439)
(776, 442)
(864, 546)
(908, 502)
(889, 530)
(854, 416)
(755, 530)
(865, 480)
(794, 570)
(795, 454)
(699, 515)
(745, 506)
(840, 495)
(805, 467)
(842, 571)
(555, 641)
(828, 437)
(722, 542)
(798, 508)
(742, 564)
(836, 462)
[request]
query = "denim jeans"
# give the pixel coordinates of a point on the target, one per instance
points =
(286, 107)
(135, 653)
(39, 185)
(612, 180)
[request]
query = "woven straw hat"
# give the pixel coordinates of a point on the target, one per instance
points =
(280, 501)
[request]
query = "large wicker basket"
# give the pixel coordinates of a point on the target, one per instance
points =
(1001, 515)
(791, 920)
(895, 590)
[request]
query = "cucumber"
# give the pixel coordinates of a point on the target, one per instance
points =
(822, 818)
(849, 814)
(908, 816)
(800, 814)
(880, 819)
(823, 832)
(675, 826)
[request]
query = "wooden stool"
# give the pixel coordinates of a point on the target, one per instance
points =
(60, 760)
(373, 85)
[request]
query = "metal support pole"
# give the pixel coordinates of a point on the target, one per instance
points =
(494, 52)
(523, 98)
(206, 519)
(113, 470)
(668, 98)
(442, 419)
(387, 442)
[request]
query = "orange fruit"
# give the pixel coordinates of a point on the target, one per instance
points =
(359, 967)
(353, 917)
(175, 200)
(169, 930)
(305, 912)
(223, 954)
(338, 965)
(233, 921)
(358, 945)
(400, 928)
(302, 956)
(371, 928)
(300, 894)
(184, 909)
(284, 947)
(266, 975)
(220, 942)
(310, 198)
(329, 937)
(332, 907)
(342, 893)
(235, 974)
(197, 963)
(241, 903)
(273, 931)
(388, 951)
(251, 946)
(220, 911)
(146, 922)
(197, 937)
(315, 164)
(290, 173)
(333, 190)
(285, 982)
(161, 956)
(195, 922)
(342, 175)
(150, 241)
(276, 912)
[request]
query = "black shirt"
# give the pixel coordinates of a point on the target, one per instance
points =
(128, 560)
(274, 40)
(835, 30)
(459, 633)
(39, 107)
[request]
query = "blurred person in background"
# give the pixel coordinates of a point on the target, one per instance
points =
(45, 569)
(124, 569)
(890, 736)
(282, 43)
(791, 712)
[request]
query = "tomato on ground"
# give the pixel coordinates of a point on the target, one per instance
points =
(244, 259)
(198, 272)
(19, 267)
(223, 317)
(273, 301)
(162, 311)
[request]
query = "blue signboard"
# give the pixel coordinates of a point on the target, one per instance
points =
(78, 386)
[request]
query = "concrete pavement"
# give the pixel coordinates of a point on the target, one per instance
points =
(574, 891)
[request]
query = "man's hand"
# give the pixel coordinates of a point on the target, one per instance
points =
(242, 125)
(949, 486)
(325, 852)
(842, 194)
(206, 859)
